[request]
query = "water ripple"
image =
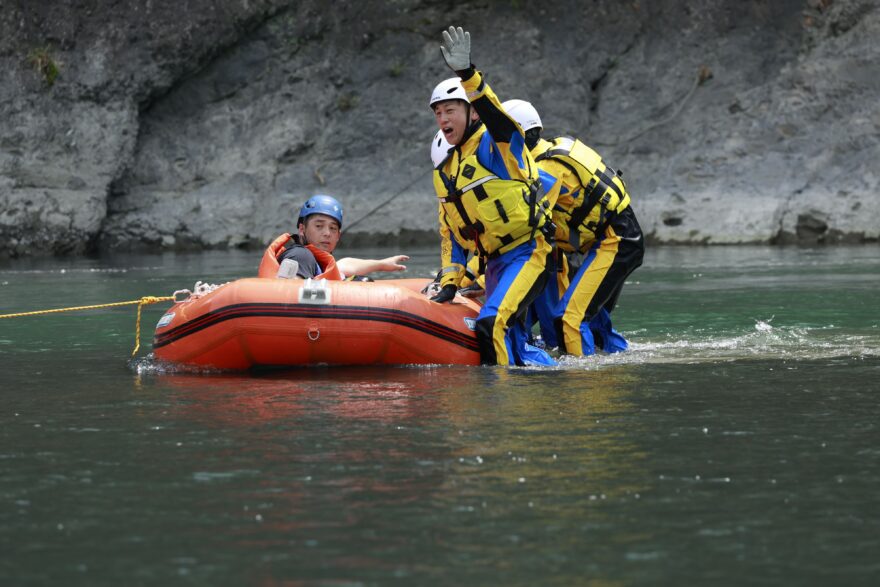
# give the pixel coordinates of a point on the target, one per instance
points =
(764, 342)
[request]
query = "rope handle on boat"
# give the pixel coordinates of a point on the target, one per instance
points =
(144, 301)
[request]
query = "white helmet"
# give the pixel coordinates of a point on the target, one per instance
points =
(523, 113)
(448, 89)
(439, 148)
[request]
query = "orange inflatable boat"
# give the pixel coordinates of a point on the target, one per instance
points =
(259, 322)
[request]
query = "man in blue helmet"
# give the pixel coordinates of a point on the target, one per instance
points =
(319, 228)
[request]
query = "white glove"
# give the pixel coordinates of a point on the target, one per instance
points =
(456, 48)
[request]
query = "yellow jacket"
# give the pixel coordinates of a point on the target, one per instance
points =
(488, 190)
(583, 191)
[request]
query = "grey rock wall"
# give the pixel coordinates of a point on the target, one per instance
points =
(64, 144)
(191, 124)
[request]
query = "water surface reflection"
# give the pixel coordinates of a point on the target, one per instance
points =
(395, 463)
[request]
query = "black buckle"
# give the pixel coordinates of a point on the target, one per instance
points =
(472, 231)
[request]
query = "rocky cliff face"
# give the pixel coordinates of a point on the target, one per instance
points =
(205, 123)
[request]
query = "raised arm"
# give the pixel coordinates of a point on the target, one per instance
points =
(505, 132)
(355, 266)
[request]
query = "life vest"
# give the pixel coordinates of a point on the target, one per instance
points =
(489, 215)
(269, 264)
(603, 190)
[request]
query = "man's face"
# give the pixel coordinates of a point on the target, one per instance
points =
(452, 119)
(321, 231)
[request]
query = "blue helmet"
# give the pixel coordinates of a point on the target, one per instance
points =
(321, 204)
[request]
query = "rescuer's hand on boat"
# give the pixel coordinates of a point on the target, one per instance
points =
(472, 291)
(446, 294)
(456, 48)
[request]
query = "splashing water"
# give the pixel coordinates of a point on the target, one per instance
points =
(764, 342)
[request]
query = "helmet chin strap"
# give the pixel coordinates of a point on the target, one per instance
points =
(472, 125)
(533, 135)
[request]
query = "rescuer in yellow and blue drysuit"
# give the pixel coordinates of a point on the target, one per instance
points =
(593, 216)
(473, 282)
(490, 203)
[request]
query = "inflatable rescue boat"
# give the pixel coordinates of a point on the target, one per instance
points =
(271, 322)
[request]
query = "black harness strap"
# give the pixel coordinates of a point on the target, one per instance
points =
(471, 230)
(593, 192)
(501, 211)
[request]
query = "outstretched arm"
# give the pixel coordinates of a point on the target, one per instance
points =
(355, 266)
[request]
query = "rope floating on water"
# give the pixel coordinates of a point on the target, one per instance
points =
(144, 301)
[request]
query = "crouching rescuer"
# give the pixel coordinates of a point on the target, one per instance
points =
(594, 219)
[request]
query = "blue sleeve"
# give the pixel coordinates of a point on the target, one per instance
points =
(459, 253)
(491, 157)
(547, 180)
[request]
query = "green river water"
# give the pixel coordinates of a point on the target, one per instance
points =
(736, 443)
